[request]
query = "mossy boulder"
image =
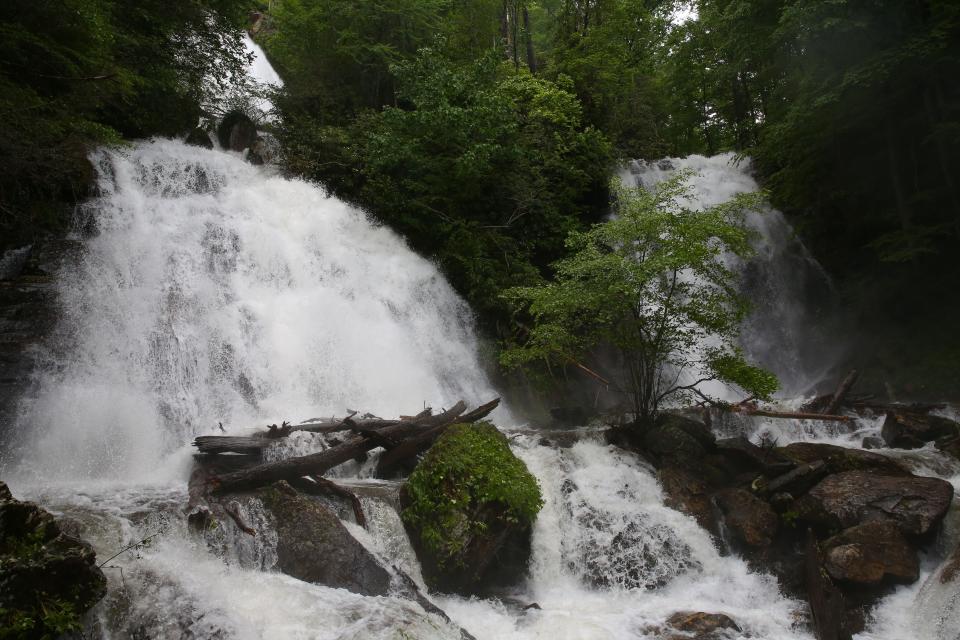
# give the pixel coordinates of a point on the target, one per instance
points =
(469, 506)
(48, 579)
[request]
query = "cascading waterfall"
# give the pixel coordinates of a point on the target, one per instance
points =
(214, 291)
(789, 325)
(210, 291)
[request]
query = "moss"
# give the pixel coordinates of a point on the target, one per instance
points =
(469, 474)
(51, 619)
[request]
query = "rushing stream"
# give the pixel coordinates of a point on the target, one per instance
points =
(213, 291)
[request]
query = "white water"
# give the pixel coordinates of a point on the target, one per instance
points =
(216, 291)
(220, 292)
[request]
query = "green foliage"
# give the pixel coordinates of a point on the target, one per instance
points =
(468, 472)
(74, 73)
(51, 619)
(493, 196)
(651, 284)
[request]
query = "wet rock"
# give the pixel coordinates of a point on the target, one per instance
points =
(873, 442)
(749, 520)
(314, 546)
(199, 137)
(680, 442)
(262, 151)
(951, 568)
(916, 504)
(871, 554)
(469, 506)
(827, 603)
(48, 579)
(749, 456)
(841, 459)
(687, 493)
(236, 131)
(910, 430)
(695, 625)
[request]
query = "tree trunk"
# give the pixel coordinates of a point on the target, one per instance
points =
(531, 58)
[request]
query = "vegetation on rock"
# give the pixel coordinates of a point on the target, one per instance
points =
(467, 496)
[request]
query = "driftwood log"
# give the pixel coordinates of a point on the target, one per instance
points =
(403, 439)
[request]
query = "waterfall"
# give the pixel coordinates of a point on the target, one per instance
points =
(793, 305)
(214, 292)
(207, 290)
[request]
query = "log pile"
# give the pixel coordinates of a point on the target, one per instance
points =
(403, 440)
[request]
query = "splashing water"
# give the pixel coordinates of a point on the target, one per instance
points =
(215, 291)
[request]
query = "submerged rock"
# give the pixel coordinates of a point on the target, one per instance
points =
(871, 554)
(468, 507)
(916, 504)
(48, 579)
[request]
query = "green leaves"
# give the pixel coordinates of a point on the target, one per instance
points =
(470, 470)
(653, 283)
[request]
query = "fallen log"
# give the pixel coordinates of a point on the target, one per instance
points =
(842, 392)
(390, 461)
(751, 410)
(319, 463)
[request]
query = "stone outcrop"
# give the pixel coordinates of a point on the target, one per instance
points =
(750, 521)
(468, 507)
(916, 504)
(912, 430)
(871, 554)
(48, 579)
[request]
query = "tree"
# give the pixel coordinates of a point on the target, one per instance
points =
(655, 284)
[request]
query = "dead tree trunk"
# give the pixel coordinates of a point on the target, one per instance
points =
(319, 463)
(842, 391)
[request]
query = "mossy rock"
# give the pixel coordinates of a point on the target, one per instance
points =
(469, 506)
(48, 579)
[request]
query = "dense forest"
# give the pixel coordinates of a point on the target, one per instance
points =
(486, 131)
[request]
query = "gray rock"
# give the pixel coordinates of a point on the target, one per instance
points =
(314, 546)
(916, 504)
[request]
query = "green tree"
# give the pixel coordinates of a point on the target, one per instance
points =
(652, 283)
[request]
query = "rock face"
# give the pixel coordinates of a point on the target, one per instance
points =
(468, 507)
(27, 317)
(916, 504)
(871, 554)
(48, 579)
(236, 131)
(314, 546)
(749, 520)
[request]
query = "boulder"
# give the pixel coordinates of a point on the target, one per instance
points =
(684, 443)
(916, 504)
(314, 546)
(236, 131)
(199, 137)
(840, 459)
(687, 493)
(827, 603)
(468, 507)
(48, 579)
(912, 430)
(749, 520)
(262, 151)
(871, 554)
(694, 625)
